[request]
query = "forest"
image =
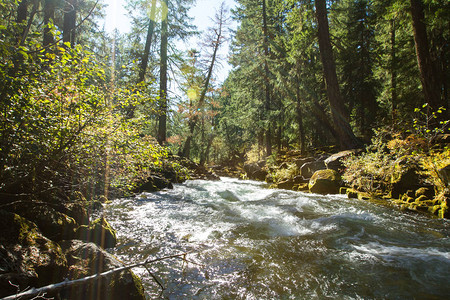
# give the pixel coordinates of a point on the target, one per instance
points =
(88, 115)
(92, 111)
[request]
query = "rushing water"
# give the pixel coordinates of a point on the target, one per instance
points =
(249, 242)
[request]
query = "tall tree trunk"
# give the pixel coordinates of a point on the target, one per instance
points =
(148, 42)
(393, 72)
(347, 138)
(162, 129)
(299, 117)
(22, 12)
(49, 15)
(216, 44)
(70, 16)
(428, 74)
(267, 81)
(25, 31)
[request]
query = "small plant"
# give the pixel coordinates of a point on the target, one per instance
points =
(429, 124)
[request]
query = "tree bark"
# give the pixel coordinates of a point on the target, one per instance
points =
(148, 42)
(267, 81)
(347, 138)
(70, 15)
(428, 74)
(162, 126)
(49, 15)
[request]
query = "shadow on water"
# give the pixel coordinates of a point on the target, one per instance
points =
(249, 242)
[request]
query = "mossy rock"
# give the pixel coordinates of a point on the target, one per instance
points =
(53, 224)
(99, 232)
(286, 185)
(352, 194)
(27, 258)
(87, 259)
(325, 182)
(301, 187)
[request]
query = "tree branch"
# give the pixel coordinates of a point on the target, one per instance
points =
(68, 283)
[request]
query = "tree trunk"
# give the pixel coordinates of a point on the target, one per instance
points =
(148, 42)
(428, 74)
(216, 44)
(347, 138)
(22, 11)
(162, 129)
(393, 72)
(267, 81)
(49, 15)
(299, 116)
(70, 16)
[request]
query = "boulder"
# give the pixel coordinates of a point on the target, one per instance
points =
(301, 161)
(52, 223)
(334, 162)
(27, 258)
(405, 181)
(154, 183)
(286, 185)
(99, 232)
(445, 175)
(87, 259)
(309, 168)
(325, 182)
(256, 171)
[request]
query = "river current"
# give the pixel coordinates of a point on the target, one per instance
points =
(245, 241)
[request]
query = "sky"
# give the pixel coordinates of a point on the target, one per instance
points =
(202, 13)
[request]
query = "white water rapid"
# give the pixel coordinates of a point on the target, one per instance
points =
(249, 242)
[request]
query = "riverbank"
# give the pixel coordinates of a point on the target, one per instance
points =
(404, 185)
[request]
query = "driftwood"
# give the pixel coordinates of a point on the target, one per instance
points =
(68, 283)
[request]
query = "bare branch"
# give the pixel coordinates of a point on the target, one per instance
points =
(69, 283)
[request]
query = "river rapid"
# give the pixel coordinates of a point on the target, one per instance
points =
(249, 242)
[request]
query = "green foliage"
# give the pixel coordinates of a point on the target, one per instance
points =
(386, 158)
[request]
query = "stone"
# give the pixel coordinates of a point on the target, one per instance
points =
(87, 259)
(255, 171)
(334, 162)
(99, 232)
(402, 182)
(425, 191)
(154, 183)
(301, 161)
(52, 223)
(286, 185)
(308, 169)
(445, 174)
(325, 182)
(27, 258)
(352, 194)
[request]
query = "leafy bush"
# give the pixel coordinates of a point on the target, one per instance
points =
(388, 154)
(63, 131)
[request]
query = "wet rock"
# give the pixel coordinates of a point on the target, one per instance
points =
(308, 169)
(154, 183)
(87, 259)
(286, 185)
(27, 258)
(325, 182)
(99, 232)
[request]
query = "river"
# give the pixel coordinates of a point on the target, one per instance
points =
(249, 242)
